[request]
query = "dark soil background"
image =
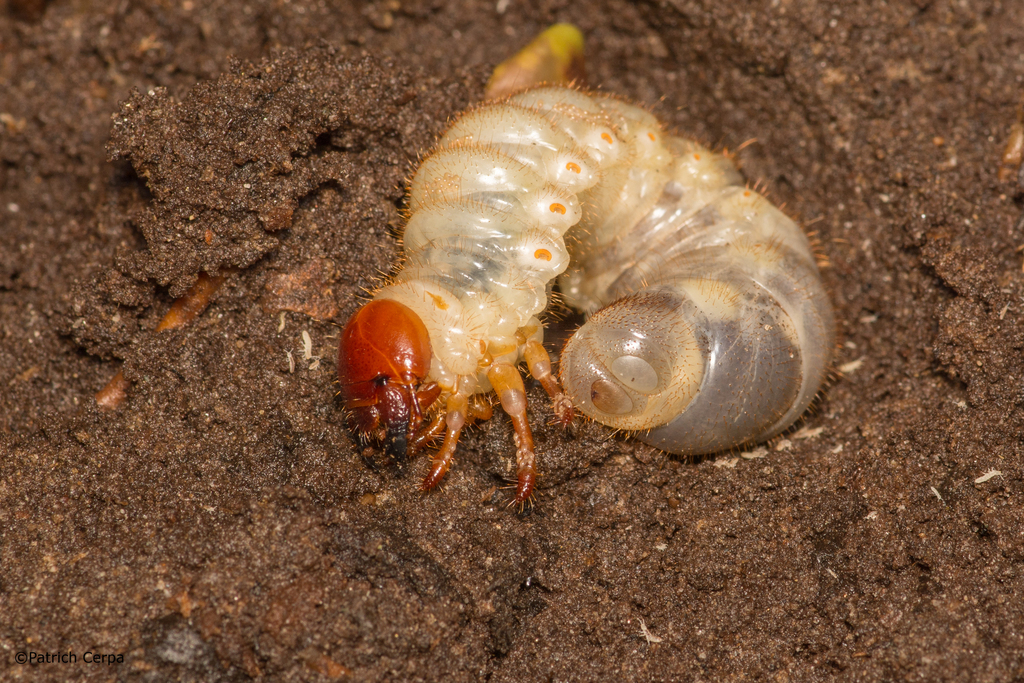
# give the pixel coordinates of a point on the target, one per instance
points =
(223, 525)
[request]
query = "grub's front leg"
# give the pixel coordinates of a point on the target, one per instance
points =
(509, 386)
(455, 419)
(539, 362)
(423, 437)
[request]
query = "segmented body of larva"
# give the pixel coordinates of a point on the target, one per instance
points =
(715, 329)
(724, 315)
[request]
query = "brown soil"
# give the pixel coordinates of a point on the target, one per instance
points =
(222, 523)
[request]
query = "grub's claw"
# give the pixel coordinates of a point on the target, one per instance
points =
(509, 386)
(539, 362)
(564, 412)
(455, 420)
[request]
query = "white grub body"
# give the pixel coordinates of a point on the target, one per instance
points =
(489, 209)
(712, 327)
(725, 332)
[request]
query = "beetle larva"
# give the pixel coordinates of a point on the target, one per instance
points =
(660, 219)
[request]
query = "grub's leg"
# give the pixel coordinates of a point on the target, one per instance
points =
(539, 362)
(509, 386)
(480, 408)
(455, 418)
(426, 395)
(422, 400)
(427, 434)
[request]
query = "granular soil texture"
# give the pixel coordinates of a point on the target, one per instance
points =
(223, 525)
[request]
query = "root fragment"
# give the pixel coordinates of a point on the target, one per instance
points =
(182, 311)
(112, 395)
(555, 56)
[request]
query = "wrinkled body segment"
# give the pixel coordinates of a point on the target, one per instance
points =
(713, 328)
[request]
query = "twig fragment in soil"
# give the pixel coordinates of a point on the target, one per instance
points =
(194, 302)
(1013, 153)
(991, 474)
(182, 311)
(111, 396)
(307, 351)
(852, 366)
(755, 454)
(555, 57)
(806, 432)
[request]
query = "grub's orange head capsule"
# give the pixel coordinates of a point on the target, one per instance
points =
(383, 358)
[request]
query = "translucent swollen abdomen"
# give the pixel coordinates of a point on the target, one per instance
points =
(715, 331)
